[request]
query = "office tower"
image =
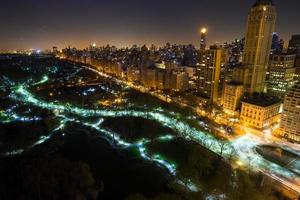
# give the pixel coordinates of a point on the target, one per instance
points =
(290, 119)
(203, 39)
(277, 44)
(235, 52)
(281, 74)
(208, 73)
(233, 92)
(260, 28)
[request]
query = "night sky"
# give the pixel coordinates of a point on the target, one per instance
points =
(41, 24)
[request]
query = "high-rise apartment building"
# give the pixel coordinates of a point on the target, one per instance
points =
(208, 73)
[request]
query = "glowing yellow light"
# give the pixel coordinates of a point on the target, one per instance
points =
(204, 30)
(265, 8)
(94, 44)
(239, 163)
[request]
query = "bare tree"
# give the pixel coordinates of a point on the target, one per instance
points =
(208, 144)
(232, 152)
(249, 162)
(222, 144)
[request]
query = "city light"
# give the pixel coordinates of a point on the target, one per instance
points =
(244, 146)
(180, 114)
(204, 30)
(265, 8)
(239, 163)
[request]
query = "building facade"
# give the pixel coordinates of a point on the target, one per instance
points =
(208, 73)
(133, 74)
(149, 77)
(179, 81)
(290, 119)
(233, 92)
(260, 112)
(281, 74)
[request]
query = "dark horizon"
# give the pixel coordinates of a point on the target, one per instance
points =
(43, 24)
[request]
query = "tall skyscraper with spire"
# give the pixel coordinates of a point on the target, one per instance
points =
(203, 39)
(260, 28)
(258, 110)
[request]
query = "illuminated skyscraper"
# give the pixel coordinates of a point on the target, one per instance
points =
(260, 28)
(203, 38)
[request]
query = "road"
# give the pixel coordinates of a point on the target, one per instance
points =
(252, 138)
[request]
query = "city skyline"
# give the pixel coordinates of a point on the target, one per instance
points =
(208, 109)
(110, 22)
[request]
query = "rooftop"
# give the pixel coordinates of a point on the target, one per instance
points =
(263, 3)
(261, 99)
(234, 83)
